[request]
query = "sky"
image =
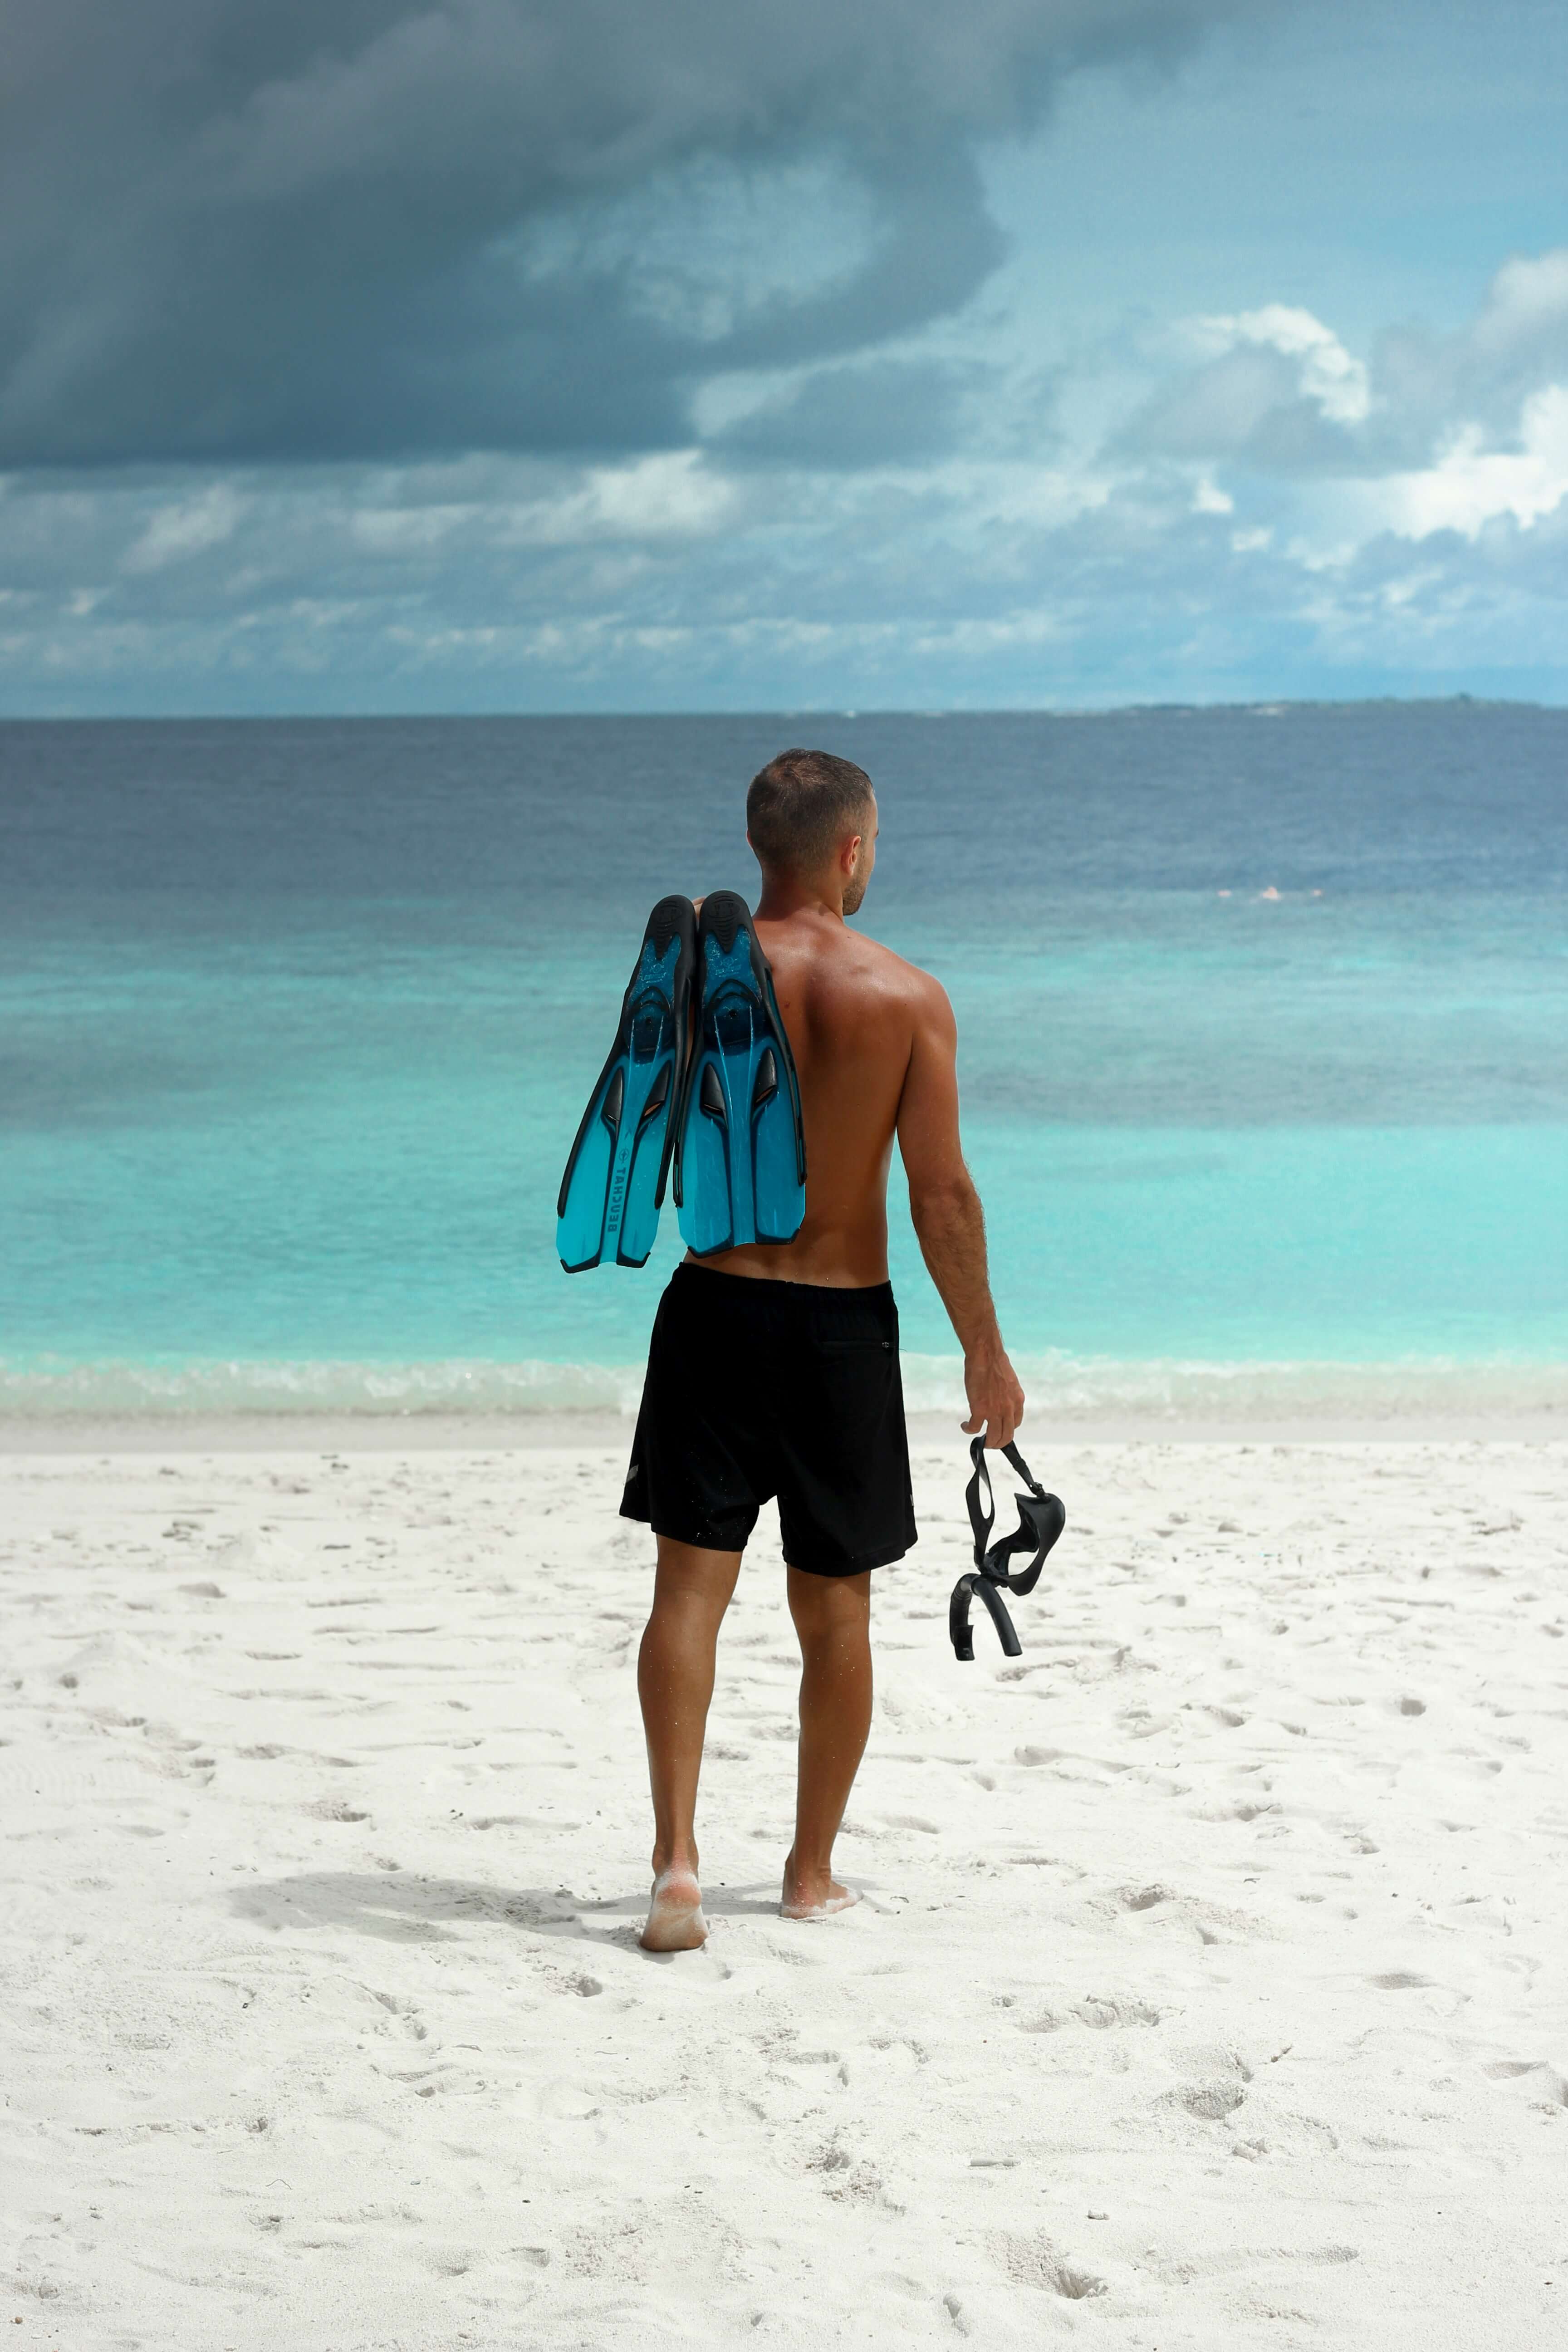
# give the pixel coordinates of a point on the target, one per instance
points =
(365, 356)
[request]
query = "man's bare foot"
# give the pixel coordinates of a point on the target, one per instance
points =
(813, 1894)
(675, 1921)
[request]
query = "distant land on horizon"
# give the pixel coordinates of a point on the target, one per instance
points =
(1256, 705)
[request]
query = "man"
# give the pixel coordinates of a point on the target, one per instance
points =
(776, 1370)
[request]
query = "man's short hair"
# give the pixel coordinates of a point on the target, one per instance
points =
(802, 805)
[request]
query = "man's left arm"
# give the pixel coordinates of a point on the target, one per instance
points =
(948, 1219)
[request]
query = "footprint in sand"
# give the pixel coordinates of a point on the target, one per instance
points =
(1531, 2074)
(566, 2102)
(1035, 2261)
(1105, 2014)
(700, 1966)
(1212, 2101)
(404, 2010)
(1218, 2080)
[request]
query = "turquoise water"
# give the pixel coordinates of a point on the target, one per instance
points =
(296, 1023)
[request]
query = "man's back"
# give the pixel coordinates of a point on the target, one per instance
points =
(785, 1384)
(852, 1010)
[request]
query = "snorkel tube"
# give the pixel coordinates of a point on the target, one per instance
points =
(1041, 1519)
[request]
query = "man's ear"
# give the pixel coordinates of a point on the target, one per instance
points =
(850, 851)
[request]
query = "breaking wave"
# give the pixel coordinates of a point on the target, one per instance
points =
(1060, 1388)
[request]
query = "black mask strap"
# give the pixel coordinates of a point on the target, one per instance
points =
(1041, 1519)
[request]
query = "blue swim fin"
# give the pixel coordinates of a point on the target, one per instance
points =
(739, 1155)
(613, 1185)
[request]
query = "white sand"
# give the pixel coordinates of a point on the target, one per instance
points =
(1209, 1989)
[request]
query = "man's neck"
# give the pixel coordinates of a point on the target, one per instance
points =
(784, 895)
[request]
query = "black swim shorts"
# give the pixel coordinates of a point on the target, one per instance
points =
(758, 1388)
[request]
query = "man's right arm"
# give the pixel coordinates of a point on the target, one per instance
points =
(948, 1218)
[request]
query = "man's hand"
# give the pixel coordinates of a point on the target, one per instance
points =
(995, 1395)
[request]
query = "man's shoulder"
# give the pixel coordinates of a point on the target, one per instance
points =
(897, 973)
(846, 969)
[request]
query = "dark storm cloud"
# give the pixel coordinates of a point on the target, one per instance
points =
(261, 228)
(882, 412)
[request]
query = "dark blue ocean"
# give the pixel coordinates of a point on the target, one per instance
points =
(1263, 1019)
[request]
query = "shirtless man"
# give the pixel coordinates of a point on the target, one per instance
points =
(776, 1370)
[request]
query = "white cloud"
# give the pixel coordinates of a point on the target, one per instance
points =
(674, 495)
(1469, 485)
(189, 528)
(1327, 372)
(1435, 435)
(1528, 298)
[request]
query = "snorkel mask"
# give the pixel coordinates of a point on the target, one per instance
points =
(1041, 1519)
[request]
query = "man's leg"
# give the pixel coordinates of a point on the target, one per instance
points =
(833, 1618)
(675, 1681)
